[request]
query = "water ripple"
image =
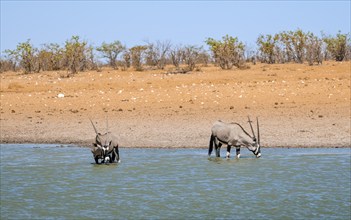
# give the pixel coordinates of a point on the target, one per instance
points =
(49, 182)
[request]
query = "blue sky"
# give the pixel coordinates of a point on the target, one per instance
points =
(181, 22)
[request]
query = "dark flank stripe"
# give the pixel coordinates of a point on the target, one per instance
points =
(222, 141)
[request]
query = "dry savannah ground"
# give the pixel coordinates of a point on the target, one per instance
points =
(297, 105)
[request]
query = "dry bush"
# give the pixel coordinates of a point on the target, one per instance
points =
(227, 52)
(7, 65)
(156, 54)
(75, 54)
(339, 46)
(137, 56)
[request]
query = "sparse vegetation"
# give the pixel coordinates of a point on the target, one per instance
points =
(137, 55)
(76, 55)
(176, 55)
(111, 51)
(191, 56)
(26, 54)
(227, 53)
(9, 62)
(268, 47)
(299, 46)
(156, 54)
(339, 46)
(52, 57)
(314, 49)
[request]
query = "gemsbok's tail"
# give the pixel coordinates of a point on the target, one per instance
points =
(210, 147)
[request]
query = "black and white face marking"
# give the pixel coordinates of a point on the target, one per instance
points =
(105, 148)
(258, 150)
(255, 149)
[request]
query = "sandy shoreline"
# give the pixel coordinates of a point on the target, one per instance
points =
(297, 105)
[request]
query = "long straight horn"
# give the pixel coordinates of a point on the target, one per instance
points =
(93, 126)
(258, 131)
(253, 133)
(106, 124)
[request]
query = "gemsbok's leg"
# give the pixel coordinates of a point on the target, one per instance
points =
(218, 149)
(228, 151)
(117, 155)
(238, 152)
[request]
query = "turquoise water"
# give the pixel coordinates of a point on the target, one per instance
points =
(62, 182)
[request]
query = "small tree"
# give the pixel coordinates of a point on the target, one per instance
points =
(299, 42)
(295, 44)
(126, 59)
(314, 49)
(75, 54)
(156, 54)
(50, 57)
(191, 56)
(26, 53)
(227, 53)
(56, 53)
(203, 57)
(348, 50)
(5, 65)
(268, 47)
(92, 62)
(137, 55)
(13, 58)
(288, 51)
(338, 46)
(44, 58)
(111, 52)
(176, 54)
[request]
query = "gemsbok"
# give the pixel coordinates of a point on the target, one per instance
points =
(105, 147)
(233, 134)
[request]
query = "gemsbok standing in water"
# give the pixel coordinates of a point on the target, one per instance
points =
(233, 134)
(105, 147)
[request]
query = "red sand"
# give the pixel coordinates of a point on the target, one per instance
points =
(297, 105)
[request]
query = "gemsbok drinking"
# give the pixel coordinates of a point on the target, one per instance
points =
(105, 148)
(233, 134)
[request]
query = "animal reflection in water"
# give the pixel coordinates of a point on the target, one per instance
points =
(233, 134)
(105, 148)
